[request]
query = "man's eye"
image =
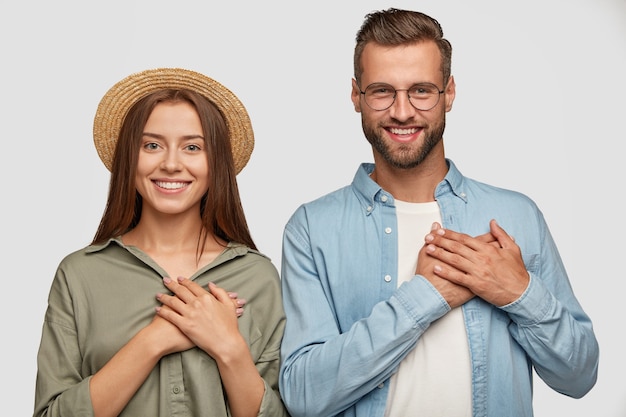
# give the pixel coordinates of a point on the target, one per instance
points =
(421, 90)
(381, 90)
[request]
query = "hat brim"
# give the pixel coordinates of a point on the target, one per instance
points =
(123, 95)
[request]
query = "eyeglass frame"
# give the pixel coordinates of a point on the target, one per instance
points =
(395, 94)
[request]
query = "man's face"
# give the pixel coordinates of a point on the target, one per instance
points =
(402, 136)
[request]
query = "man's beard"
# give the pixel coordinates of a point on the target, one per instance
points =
(405, 156)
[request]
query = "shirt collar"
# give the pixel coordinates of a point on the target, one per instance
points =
(368, 190)
(453, 182)
(232, 249)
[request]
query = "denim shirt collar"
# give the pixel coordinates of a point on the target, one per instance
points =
(369, 192)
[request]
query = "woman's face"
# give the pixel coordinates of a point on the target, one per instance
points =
(172, 169)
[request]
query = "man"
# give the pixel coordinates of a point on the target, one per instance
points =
(416, 291)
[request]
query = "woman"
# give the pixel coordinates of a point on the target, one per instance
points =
(139, 322)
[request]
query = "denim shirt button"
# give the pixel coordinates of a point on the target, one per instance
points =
(387, 230)
(387, 278)
(369, 209)
(381, 385)
(383, 198)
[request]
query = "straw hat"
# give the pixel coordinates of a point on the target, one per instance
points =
(121, 97)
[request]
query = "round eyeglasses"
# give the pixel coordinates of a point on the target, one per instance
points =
(422, 96)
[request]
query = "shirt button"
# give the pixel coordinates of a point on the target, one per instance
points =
(381, 385)
(387, 230)
(383, 198)
(387, 278)
(369, 209)
(176, 390)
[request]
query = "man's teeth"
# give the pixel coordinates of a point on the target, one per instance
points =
(397, 131)
(171, 185)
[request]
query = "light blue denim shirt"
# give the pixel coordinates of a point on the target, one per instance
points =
(349, 326)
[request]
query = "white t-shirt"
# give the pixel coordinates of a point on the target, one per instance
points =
(435, 377)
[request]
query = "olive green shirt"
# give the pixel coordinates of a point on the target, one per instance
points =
(102, 295)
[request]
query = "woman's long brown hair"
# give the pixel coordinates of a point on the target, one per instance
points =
(221, 210)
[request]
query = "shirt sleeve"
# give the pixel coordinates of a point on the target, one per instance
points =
(268, 366)
(551, 326)
(60, 389)
(268, 322)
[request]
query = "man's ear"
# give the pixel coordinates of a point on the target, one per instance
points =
(356, 96)
(449, 93)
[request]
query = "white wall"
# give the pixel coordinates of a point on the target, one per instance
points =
(540, 108)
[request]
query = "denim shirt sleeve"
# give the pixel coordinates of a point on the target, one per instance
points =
(320, 360)
(551, 326)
